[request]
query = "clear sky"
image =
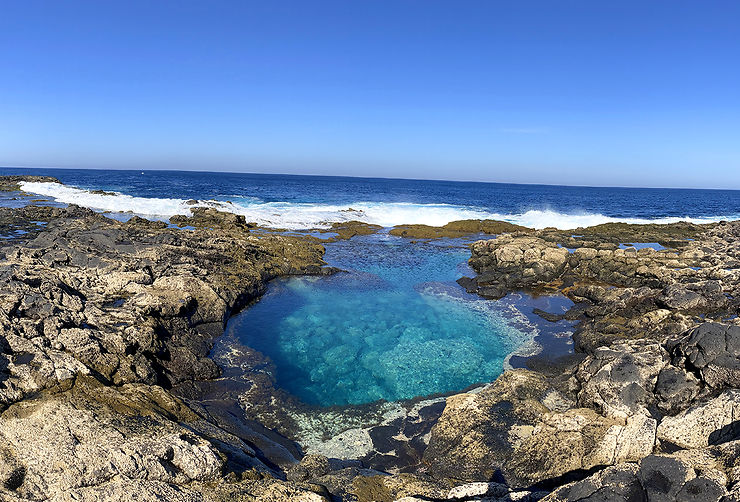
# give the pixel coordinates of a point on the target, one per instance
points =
(631, 93)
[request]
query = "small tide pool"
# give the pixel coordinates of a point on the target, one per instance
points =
(642, 245)
(396, 325)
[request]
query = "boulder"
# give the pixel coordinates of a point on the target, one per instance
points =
(703, 297)
(477, 432)
(517, 262)
(676, 389)
(660, 478)
(619, 380)
(619, 483)
(577, 440)
(713, 422)
(712, 349)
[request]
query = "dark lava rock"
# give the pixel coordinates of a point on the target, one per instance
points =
(663, 477)
(676, 389)
(614, 484)
(12, 183)
(209, 217)
(657, 478)
(713, 349)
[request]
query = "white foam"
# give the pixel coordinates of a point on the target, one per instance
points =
(296, 216)
(144, 206)
(564, 221)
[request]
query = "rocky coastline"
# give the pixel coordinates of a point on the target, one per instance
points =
(110, 387)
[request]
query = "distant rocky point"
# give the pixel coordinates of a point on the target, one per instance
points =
(12, 183)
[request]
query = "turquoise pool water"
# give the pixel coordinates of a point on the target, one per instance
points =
(394, 326)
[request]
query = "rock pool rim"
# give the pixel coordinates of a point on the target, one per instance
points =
(355, 338)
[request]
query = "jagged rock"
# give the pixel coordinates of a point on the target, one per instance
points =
(613, 484)
(271, 490)
(103, 433)
(713, 422)
(492, 492)
(209, 217)
(125, 490)
(131, 302)
(477, 433)
(12, 183)
(658, 478)
(579, 439)
(384, 487)
(664, 477)
(705, 297)
(713, 349)
(619, 380)
(310, 467)
(517, 262)
(101, 320)
(676, 389)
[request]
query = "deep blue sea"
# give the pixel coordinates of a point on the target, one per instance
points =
(395, 325)
(310, 201)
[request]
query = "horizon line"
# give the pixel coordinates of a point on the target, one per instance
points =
(372, 177)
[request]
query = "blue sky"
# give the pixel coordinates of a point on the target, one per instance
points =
(643, 93)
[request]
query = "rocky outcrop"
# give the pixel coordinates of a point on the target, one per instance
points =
(457, 229)
(703, 474)
(129, 302)
(713, 350)
(12, 183)
(713, 422)
(656, 477)
(649, 383)
(208, 217)
(510, 262)
(477, 433)
(619, 380)
(98, 319)
(574, 441)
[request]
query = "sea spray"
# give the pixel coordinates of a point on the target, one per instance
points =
(297, 215)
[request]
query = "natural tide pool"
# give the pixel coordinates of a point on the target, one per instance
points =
(395, 326)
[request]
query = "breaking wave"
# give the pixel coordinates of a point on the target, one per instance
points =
(296, 216)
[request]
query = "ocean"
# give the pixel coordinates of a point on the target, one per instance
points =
(299, 202)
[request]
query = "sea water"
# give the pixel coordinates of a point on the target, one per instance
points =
(394, 326)
(300, 202)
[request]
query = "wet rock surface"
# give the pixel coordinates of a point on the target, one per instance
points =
(109, 389)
